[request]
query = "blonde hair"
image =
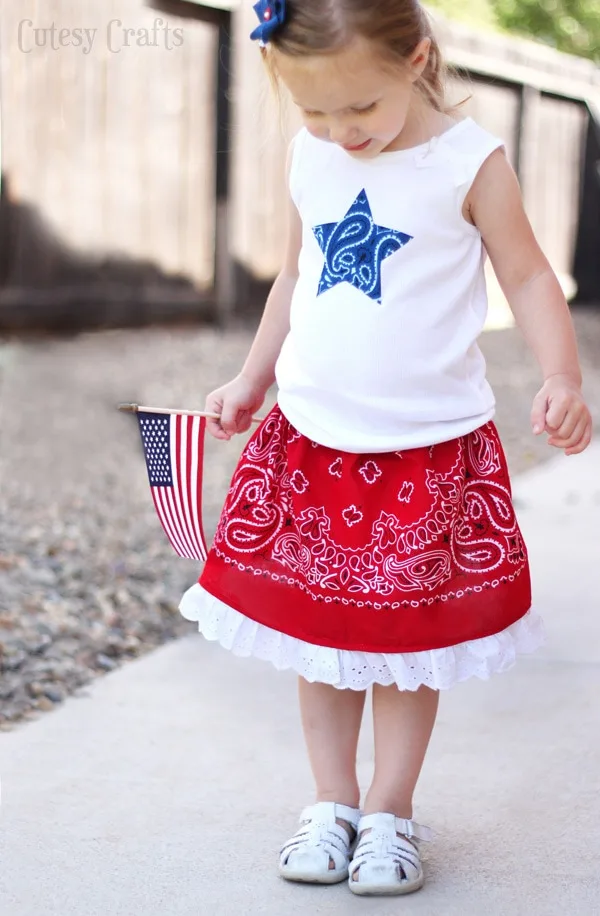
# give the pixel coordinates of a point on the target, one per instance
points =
(395, 26)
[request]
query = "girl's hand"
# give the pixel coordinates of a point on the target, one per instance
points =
(235, 403)
(560, 410)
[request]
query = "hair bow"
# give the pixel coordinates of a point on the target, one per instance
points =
(272, 16)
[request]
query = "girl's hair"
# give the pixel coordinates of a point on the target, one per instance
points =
(396, 26)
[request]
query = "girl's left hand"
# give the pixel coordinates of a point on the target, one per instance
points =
(560, 410)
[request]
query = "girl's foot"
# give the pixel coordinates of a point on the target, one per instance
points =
(386, 859)
(319, 852)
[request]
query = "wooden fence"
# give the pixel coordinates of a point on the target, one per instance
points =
(110, 158)
(107, 159)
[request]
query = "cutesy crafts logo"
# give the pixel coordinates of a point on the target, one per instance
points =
(116, 37)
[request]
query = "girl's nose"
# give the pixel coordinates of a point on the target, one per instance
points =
(342, 136)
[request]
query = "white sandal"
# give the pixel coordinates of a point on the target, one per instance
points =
(388, 863)
(307, 856)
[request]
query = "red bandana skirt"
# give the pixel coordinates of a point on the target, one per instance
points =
(388, 553)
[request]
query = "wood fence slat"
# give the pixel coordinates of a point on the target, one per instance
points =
(113, 149)
(197, 158)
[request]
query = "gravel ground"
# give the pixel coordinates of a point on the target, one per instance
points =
(87, 578)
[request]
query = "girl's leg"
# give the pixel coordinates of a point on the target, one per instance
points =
(331, 721)
(403, 722)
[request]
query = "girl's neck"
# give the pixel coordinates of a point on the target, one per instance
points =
(422, 124)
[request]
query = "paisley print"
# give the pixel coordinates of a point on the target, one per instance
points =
(402, 564)
(299, 482)
(256, 519)
(355, 249)
(370, 472)
(406, 492)
(352, 516)
(335, 468)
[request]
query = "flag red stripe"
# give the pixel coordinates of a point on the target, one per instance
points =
(175, 537)
(197, 479)
(169, 499)
(157, 496)
(187, 450)
(185, 482)
(201, 443)
(177, 461)
(193, 430)
(167, 506)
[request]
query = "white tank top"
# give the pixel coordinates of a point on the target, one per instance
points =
(391, 297)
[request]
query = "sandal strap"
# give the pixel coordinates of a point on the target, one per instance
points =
(408, 828)
(321, 837)
(329, 839)
(386, 855)
(331, 811)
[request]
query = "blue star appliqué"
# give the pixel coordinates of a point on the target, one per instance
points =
(355, 248)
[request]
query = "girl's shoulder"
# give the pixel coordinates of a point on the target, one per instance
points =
(463, 149)
(468, 137)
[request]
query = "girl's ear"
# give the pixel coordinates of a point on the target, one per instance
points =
(418, 59)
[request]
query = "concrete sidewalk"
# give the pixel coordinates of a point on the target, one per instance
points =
(168, 787)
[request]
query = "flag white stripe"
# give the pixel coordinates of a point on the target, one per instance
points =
(165, 517)
(194, 484)
(187, 482)
(175, 490)
(157, 494)
(194, 425)
(175, 521)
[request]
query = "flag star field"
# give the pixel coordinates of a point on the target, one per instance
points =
(155, 439)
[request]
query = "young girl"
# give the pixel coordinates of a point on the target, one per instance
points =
(368, 538)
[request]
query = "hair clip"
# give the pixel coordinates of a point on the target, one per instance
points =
(272, 16)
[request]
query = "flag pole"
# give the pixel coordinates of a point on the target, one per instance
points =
(136, 408)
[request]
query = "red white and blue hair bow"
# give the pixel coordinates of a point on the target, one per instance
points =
(272, 16)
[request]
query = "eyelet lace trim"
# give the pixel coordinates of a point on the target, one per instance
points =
(438, 669)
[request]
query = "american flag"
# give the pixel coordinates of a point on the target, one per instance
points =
(174, 450)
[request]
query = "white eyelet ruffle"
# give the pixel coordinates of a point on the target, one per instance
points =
(435, 668)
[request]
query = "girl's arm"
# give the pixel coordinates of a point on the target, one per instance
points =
(239, 400)
(259, 368)
(495, 206)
